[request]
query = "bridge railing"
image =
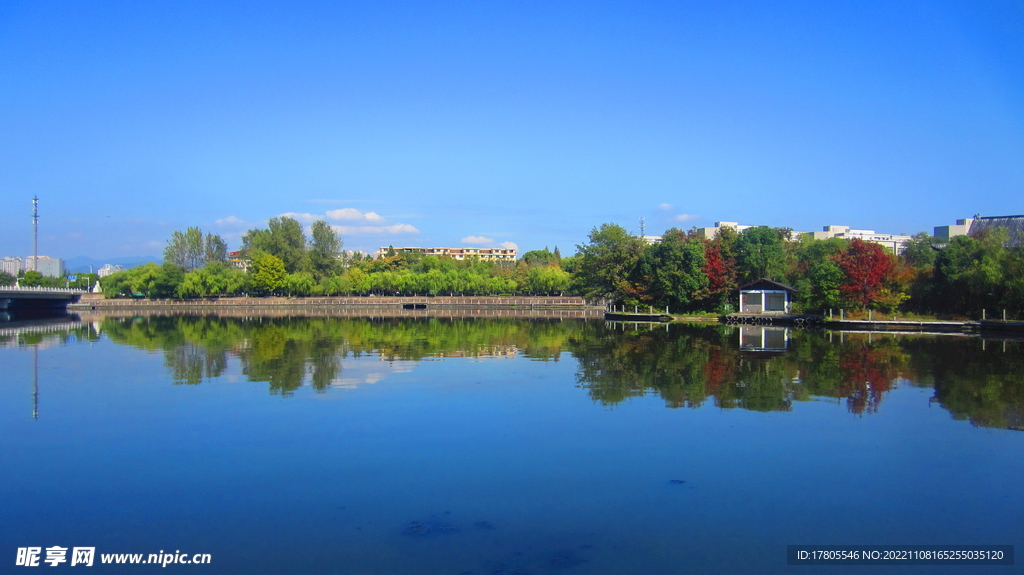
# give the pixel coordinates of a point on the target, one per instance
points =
(42, 289)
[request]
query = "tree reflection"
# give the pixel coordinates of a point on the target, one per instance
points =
(687, 366)
(288, 353)
(978, 380)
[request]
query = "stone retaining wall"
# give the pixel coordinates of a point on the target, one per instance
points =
(396, 303)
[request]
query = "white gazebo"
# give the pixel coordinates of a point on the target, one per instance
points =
(765, 296)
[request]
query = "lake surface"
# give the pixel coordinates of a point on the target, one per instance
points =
(501, 446)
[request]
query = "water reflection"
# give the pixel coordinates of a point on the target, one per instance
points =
(288, 353)
(756, 368)
(761, 339)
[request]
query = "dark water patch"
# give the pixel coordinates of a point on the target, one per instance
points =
(429, 527)
(566, 560)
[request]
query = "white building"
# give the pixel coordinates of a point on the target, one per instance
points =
(894, 242)
(961, 228)
(711, 233)
(12, 265)
(1014, 227)
(50, 267)
(108, 269)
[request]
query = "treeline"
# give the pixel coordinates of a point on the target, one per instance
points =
(282, 260)
(32, 278)
(690, 273)
(684, 271)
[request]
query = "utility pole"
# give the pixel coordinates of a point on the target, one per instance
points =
(35, 233)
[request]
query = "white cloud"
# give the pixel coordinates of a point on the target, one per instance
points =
(354, 214)
(666, 207)
(476, 240)
(392, 229)
(230, 221)
(356, 217)
(306, 218)
(510, 245)
(345, 214)
(685, 217)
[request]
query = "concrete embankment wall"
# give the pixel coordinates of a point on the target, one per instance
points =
(539, 306)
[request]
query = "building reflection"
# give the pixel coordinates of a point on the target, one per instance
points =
(761, 339)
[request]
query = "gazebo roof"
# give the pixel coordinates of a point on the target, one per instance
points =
(765, 283)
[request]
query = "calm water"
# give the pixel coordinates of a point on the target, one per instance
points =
(506, 447)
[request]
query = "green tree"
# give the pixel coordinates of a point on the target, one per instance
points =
(671, 272)
(192, 249)
(760, 254)
(32, 278)
(605, 262)
(548, 280)
(7, 279)
(267, 273)
(283, 239)
(216, 279)
(324, 248)
(818, 277)
(920, 251)
(84, 281)
(969, 272)
(299, 284)
(215, 249)
(539, 258)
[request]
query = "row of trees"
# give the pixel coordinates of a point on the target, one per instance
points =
(684, 271)
(281, 260)
(690, 273)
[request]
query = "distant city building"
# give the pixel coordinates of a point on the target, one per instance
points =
(712, 233)
(961, 228)
(108, 269)
(895, 242)
(650, 239)
(238, 260)
(50, 267)
(12, 265)
(501, 254)
(1014, 226)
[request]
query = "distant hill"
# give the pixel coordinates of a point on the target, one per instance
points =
(81, 263)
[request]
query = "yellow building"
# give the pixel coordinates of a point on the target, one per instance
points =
(500, 254)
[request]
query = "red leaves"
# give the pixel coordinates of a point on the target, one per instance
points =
(865, 265)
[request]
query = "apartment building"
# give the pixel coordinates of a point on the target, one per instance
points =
(895, 242)
(50, 267)
(12, 265)
(499, 254)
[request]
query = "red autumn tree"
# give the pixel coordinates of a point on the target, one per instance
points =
(721, 271)
(864, 265)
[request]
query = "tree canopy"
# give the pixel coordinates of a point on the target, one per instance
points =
(192, 249)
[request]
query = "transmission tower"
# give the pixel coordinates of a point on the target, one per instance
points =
(643, 227)
(35, 233)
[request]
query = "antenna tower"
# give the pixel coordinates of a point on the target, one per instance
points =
(643, 228)
(35, 233)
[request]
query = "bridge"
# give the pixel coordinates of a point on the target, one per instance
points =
(14, 298)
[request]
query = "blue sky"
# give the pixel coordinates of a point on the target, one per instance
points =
(447, 123)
